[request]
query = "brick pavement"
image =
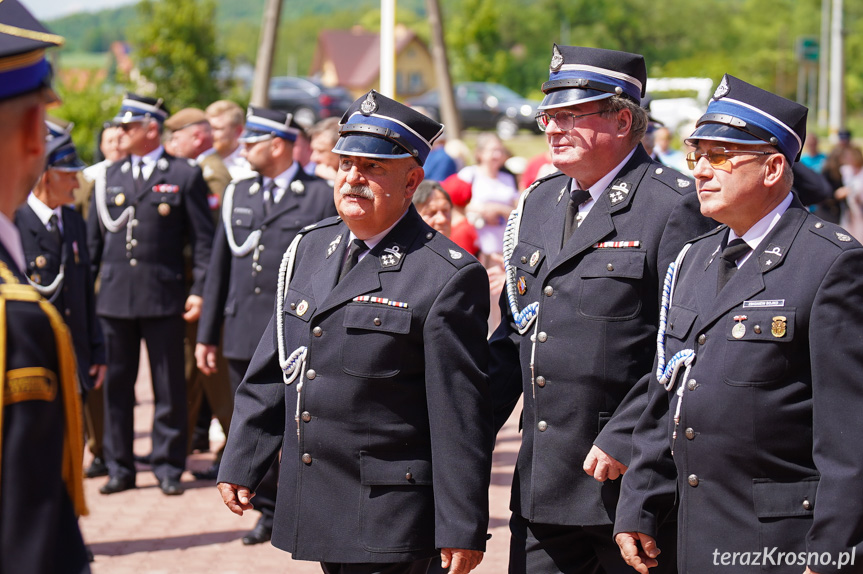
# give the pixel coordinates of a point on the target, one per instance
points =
(142, 531)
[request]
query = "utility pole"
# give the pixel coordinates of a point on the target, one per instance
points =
(448, 113)
(837, 75)
(266, 49)
(824, 65)
(388, 48)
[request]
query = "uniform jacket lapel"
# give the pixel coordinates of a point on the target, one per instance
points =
(39, 232)
(325, 278)
(749, 279)
(552, 228)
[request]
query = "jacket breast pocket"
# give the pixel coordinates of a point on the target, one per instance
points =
(679, 322)
(397, 504)
(372, 347)
(758, 347)
(172, 199)
(611, 284)
(242, 217)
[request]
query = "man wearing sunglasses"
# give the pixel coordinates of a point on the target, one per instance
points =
(753, 433)
(585, 253)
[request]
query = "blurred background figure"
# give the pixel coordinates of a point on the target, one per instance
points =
(303, 151)
(434, 206)
(665, 153)
(812, 157)
(324, 136)
(226, 120)
(851, 168)
(463, 233)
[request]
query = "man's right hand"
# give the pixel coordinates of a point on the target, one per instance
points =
(205, 357)
(641, 558)
(237, 498)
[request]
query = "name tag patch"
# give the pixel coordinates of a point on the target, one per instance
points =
(764, 303)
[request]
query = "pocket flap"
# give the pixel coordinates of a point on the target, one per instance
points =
(781, 499)
(680, 321)
(391, 470)
(376, 317)
(528, 257)
(242, 217)
(613, 263)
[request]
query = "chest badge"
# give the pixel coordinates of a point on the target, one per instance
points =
(162, 164)
(779, 326)
(36, 278)
(297, 187)
(522, 285)
(739, 329)
(391, 256)
(618, 192)
(334, 244)
(41, 262)
(164, 209)
(534, 258)
(302, 307)
(119, 199)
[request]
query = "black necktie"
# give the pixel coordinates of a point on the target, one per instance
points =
(54, 229)
(269, 196)
(727, 266)
(576, 198)
(354, 251)
(139, 175)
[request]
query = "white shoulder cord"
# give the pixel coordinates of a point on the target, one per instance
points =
(667, 373)
(48, 291)
(525, 317)
(112, 225)
(295, 364)
(254, 237)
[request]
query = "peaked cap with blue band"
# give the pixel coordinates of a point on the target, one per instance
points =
(579, 75)
(263, 124)
(745, 114)
(376, 126)
(23, 40)
(137, 108)
(61, 154)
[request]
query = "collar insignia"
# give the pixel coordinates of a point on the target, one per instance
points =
(618, 192)
(297, 187)
(334, 244)
(391, 256)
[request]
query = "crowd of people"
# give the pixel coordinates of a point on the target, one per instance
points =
(686, 349)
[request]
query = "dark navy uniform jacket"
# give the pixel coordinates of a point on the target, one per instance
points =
(75, 298)
(768, 451)
(594, 334)
(240, 290)
(391, 456)
(38, 529)
(143, 275)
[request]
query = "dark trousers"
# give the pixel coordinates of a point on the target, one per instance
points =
(553, 549)
(215, 388)
(415, 567)
(164, 339)
(236, 371)
(94, 421)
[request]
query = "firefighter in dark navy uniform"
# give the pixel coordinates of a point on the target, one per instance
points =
(583, 251)
(371, 375)
(41, 440)
(754, 402)
(261, 215)
(54, 238)
(143, 212)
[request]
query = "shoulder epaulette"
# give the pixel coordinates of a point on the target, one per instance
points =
(832, 233)
(448, 251)
(710, 233)
(330, 221)
(672, 178)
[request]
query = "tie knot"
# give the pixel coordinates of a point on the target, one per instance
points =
(578, 196)
(735, 250)
(358, 246)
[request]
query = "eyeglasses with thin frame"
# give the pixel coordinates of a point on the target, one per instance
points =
(564, 119)
(718, 156)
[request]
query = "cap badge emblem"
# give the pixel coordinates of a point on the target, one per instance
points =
(369, 105)
(556, 60)
(778, 327)
(456, 255)
(722, 90)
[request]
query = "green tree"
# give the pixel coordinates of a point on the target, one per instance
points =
(89, 104)
(175, 47)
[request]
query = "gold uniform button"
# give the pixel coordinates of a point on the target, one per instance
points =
(692, 480)
(542, 426)
(549, 291)
(307, 458)
(306, 416)
(540, 381)
(806, 504)
(542, 337)
(317, 331)
(702, 338)
(690, 433)
(311, 374)
(377, 322)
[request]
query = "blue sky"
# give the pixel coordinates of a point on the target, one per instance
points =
(50, 9)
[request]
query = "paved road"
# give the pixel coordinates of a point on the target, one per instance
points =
(142, 531)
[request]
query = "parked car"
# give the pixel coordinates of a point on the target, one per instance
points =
(308, 99)
(486, 106)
